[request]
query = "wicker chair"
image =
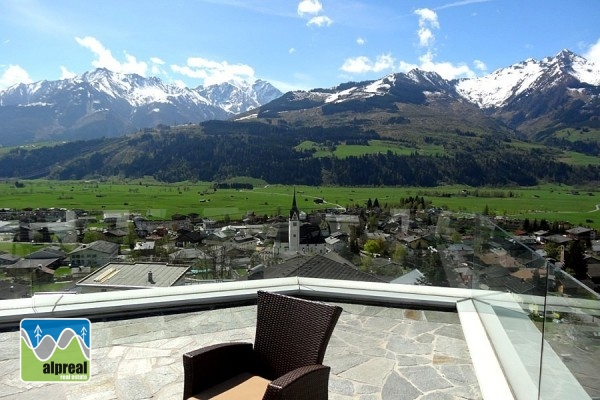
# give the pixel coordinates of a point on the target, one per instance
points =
(284, 363)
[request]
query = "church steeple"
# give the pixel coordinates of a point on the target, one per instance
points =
(294, 226)
(294, 209)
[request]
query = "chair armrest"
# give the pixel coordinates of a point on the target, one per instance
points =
(304, 383)
(205, 367)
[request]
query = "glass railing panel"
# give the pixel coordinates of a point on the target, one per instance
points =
(508, 281)
(571, 330)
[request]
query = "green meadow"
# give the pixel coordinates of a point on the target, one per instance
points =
(374, 147)
(159, 200)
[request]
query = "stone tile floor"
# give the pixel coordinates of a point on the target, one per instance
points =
(375, 353)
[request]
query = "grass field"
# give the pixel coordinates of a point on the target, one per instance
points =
(158, 201)
(374, 147)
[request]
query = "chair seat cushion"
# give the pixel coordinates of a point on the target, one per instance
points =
(244, 386)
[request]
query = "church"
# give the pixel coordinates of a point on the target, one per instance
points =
(300, 235)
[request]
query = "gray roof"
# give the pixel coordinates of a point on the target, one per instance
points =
(578, 230)
(318, 266)
(135, 275)
(47, 252)
(558, 239)
(41, 264)
(101, 246)
(190, 254)
(411, 278)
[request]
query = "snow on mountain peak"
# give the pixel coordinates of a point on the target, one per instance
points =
(495, 89)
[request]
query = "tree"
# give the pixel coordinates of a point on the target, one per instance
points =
(575, 260)
(372, 223)
(366, 263)
(552, 250)
(131, 236)
(92, 236)
(373, 246)
(399, 253)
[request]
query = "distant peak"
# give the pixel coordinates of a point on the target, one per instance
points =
(565, 53)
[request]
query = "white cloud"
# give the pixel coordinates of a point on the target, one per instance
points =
(363, 64)
(593, 53)
(66, 74)
(292, 50)
(213, 72)
(156, 60)
(309, 7)
(360, 41)
(12, 75)
(446, 70)
(321, 20)
(428, 20)
(461, 3)
(480, 65)
(313, 8)
(105, 59)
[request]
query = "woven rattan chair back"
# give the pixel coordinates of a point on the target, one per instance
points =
(291, 332)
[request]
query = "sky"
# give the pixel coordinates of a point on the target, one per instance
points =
(293, 44)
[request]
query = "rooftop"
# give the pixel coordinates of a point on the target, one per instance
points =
(375, 353)
(135, 275)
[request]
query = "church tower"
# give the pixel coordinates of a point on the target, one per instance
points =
(294, 226)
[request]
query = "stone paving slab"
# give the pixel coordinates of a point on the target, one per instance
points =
(375, 353)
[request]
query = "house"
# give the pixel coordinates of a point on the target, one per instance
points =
(35, 270)
(123, 276)
(342, 222)
(244, 242)
(144, 248)
(186, 237)
(94, 254)
(558, 239)
(189, 256)
(581, 233)
(414, 242)
(336, 241)
(47, 252)
(593, 272)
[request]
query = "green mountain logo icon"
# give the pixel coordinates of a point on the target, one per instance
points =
(55, 350)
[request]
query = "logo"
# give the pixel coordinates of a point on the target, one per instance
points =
(55, 350)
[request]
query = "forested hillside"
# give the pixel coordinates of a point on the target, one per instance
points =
(217, 150)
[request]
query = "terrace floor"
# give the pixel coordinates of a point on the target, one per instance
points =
(375, 353)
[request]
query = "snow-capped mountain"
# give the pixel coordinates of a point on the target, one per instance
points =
(504, 85)
(237, 97)
(105, 103)
(529, 97)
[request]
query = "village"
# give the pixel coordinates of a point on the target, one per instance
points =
(82, 252)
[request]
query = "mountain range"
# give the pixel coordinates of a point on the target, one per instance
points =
(534, 98)
(102, 103)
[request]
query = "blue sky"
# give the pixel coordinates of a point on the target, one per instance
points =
(292, 44)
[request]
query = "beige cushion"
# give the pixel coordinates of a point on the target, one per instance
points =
(244, 386)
